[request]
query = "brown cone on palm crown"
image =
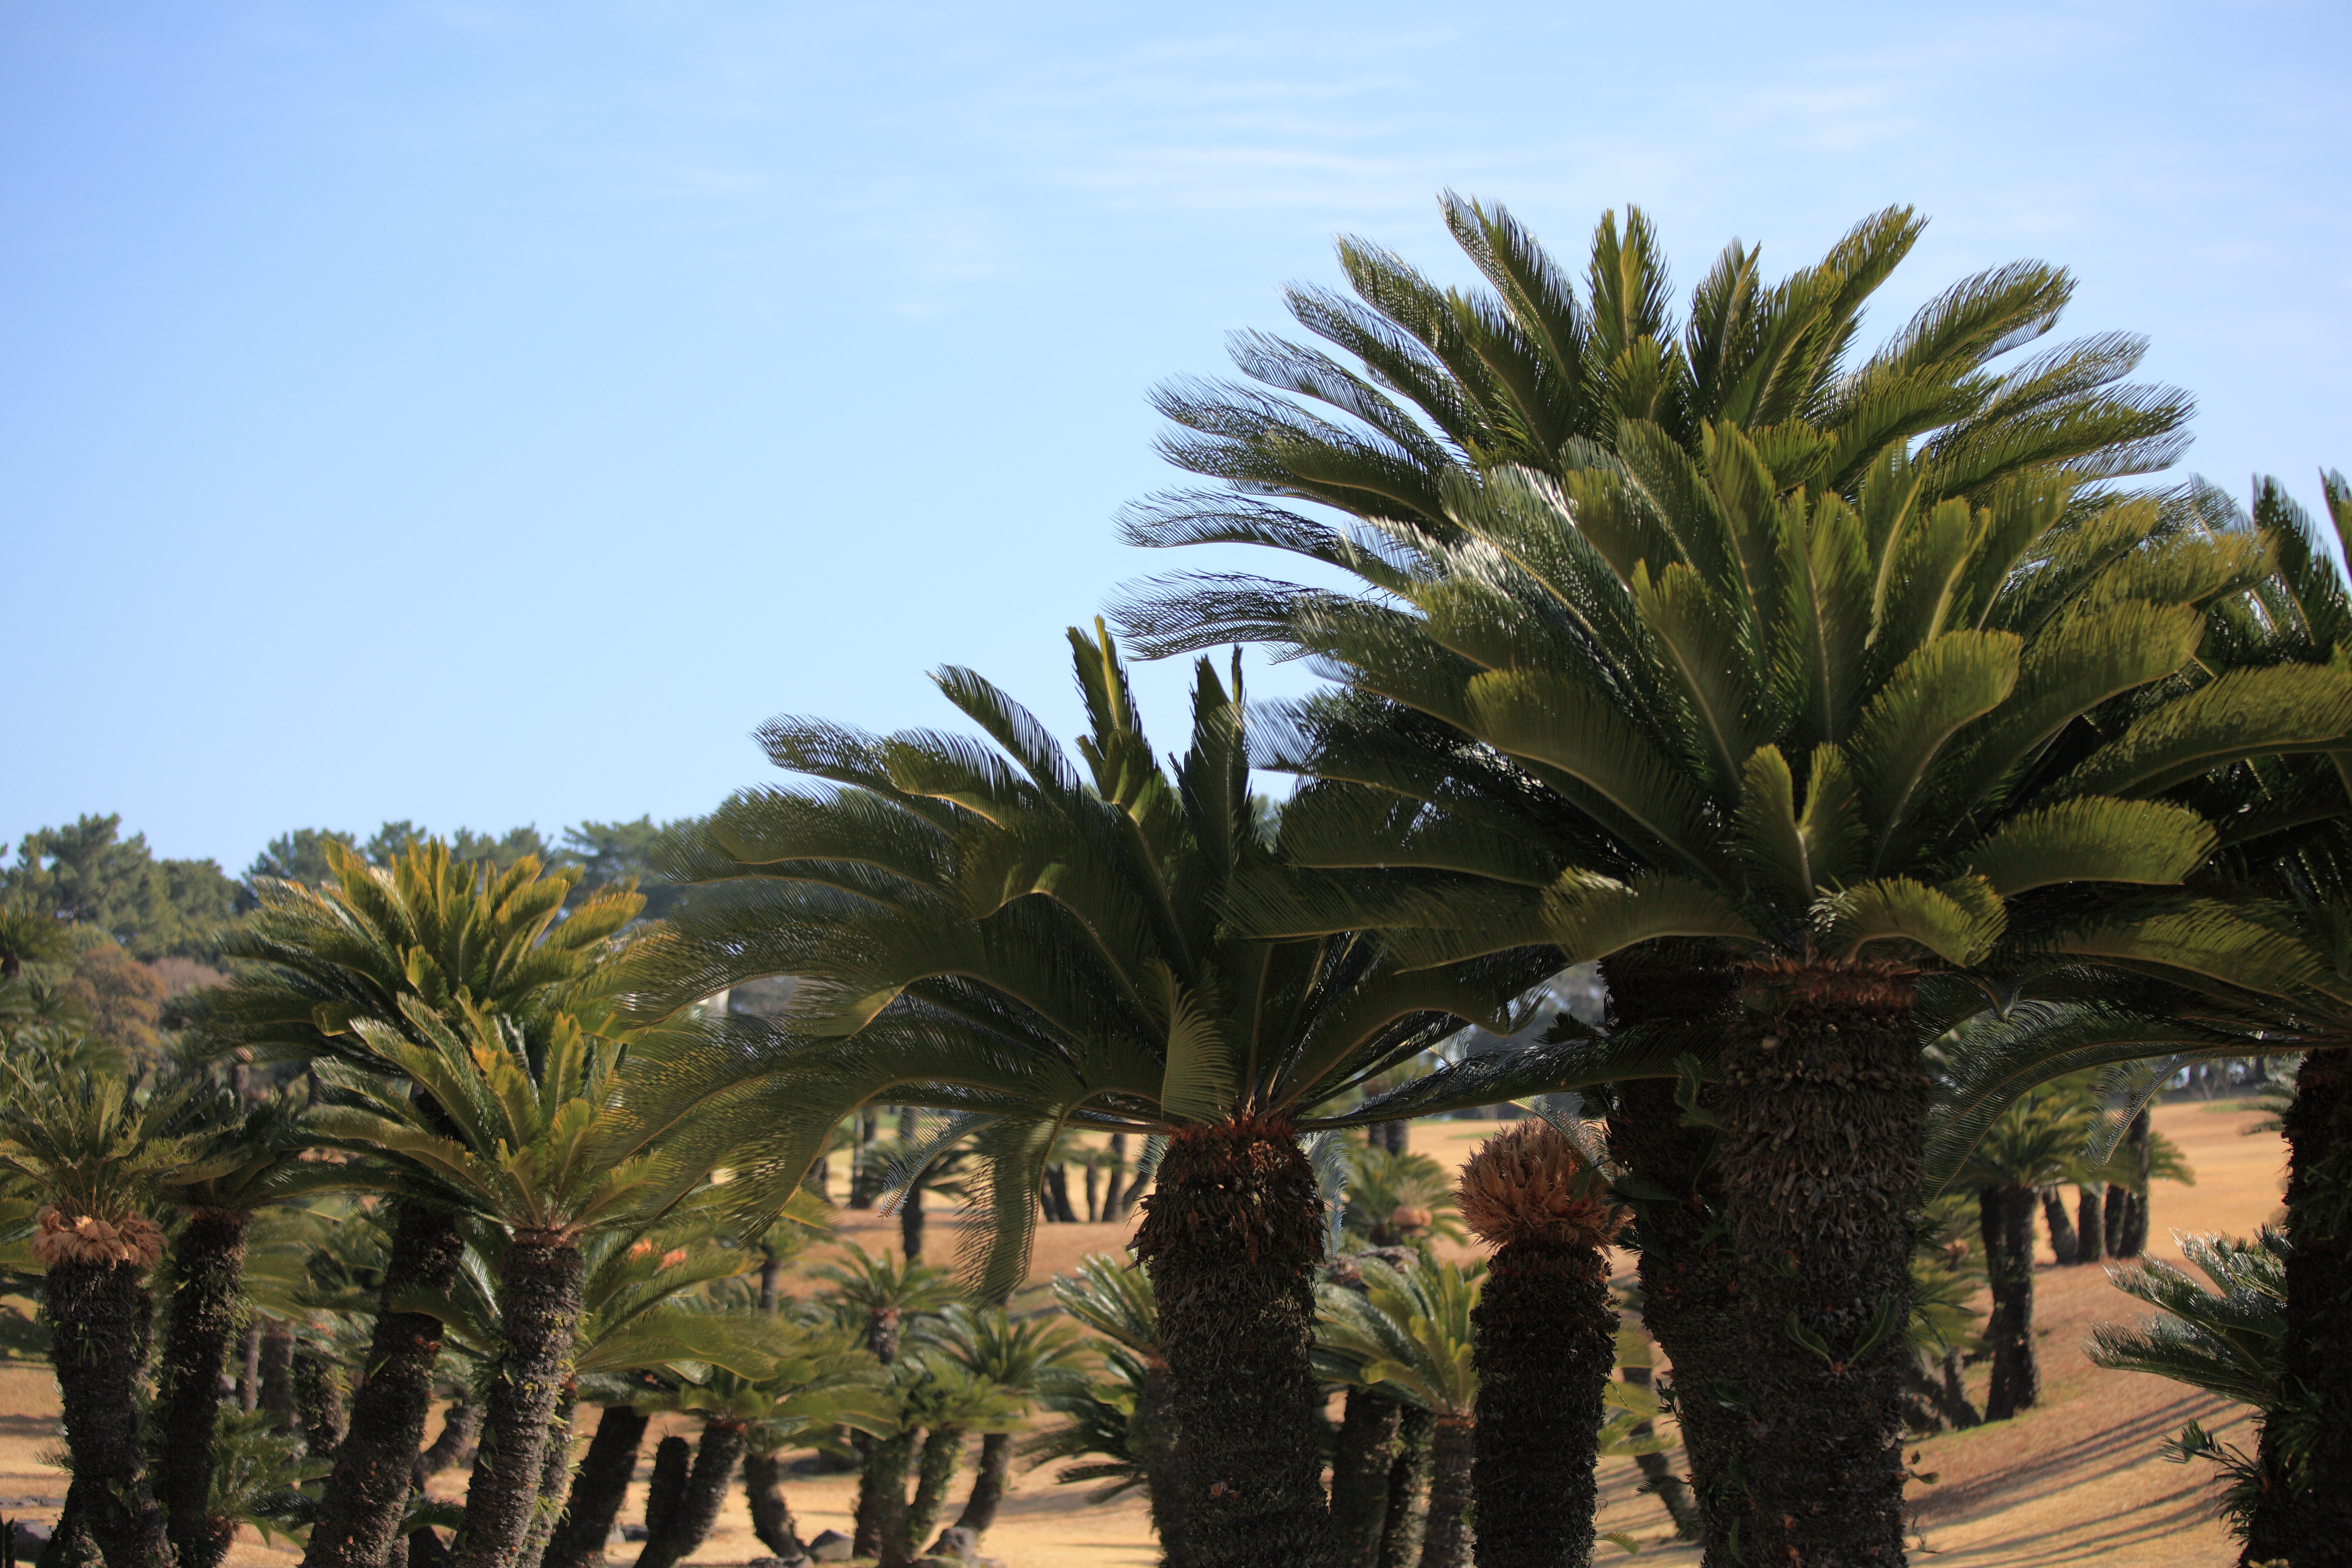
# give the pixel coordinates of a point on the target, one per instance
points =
(1547, 1341)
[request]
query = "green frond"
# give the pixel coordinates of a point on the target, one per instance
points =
(2093, 838)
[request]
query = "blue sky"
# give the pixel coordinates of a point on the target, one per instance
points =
(486, 412)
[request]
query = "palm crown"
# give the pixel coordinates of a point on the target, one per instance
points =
(442, 931)
(997, 934)
(541, 1134)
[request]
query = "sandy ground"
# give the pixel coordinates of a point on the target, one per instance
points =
(2075, 1481)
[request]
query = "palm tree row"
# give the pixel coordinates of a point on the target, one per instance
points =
(1891, 759)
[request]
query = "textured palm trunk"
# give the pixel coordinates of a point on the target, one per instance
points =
(665, 1489)
(277, 1374)
(887, 1465)
(1453, 1452)
(359, 1515)
(2006, 1222)
(1161, 1461)
(687, 1525)
(452, 1447)
(1824, 1106)
(1546, 1344)
(597, 1490)
(2135, 1212)
(249, 1368)
(1115, 1183)
(1687, 1269)
(2065, 1245)
(2090, 1224)
(988, 1484)
(772, 1515)
(1408, 1514)
(2304, 1513)
(539, 1308)
(208, 1261)
(321, 1402)
(97, 1314)
(1359, 1475)
(911, 1226)
(942, 1457)
(554, 1481)
(1232, 1234)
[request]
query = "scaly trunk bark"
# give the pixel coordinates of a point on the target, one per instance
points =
(1058, 1187)
(208, 1261)
(597, 1490)
(277, 1374)
(554, 1481)
(673, 1461)
(771, 1516)
(1688, 1272)
(988, 1484)
(1161, 1465)
(2090, 1226)
(1232, 1234)
(2304, 1513)
(1546, 1341)
(1453, 1450)
(1408, 1515)
(1824, 1106)
(886, 1463)
(452, 1447)
(688, 1525)
(1115, 1185)
(249, 1368)
(1359, 1475)
(539, 1308)
(1094, 1195)
(321, 1402)
(911, 1226)
(2136, 1213)
(769, 1269)
(97, 1345)
(359, 1515)
(2006, 1222)
(942, 1456)
(2065, 1245)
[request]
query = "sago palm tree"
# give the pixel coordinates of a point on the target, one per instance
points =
(424, 929)
(640, 1318)
(541, 1131)
(1034, 945)
(951, 1402)
(250, 1159)
(1013, 1354)
(2285, 863)
(1498, 751)
(1411, 1332)
(94, 1147)
(1752, 749)
(1546, 1344)
(1686, 704)
(2038, 1142)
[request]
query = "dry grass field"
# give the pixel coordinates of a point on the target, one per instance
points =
(2077, 1480)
